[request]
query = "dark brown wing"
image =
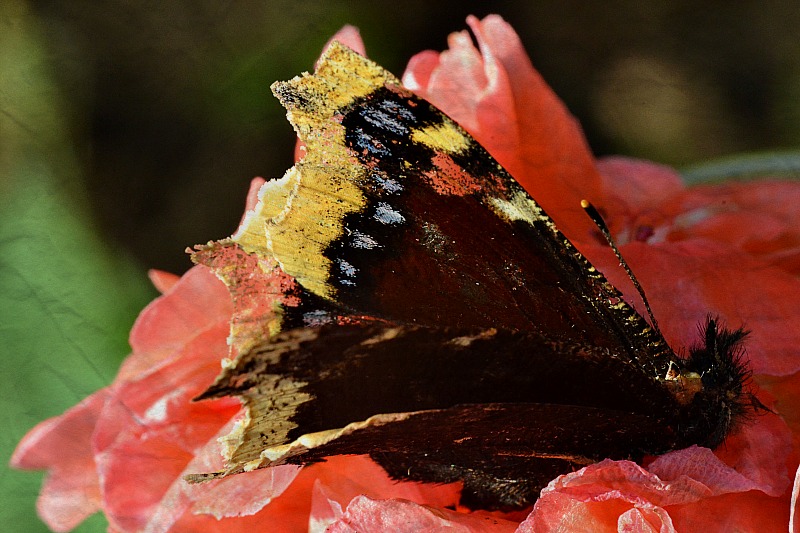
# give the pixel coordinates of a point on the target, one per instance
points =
(397, 212)
(504, 411)
(503, 453)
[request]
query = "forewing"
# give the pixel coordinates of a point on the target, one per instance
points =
(397, 212)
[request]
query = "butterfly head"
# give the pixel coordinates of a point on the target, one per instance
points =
(719, 362)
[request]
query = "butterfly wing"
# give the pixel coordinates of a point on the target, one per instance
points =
(397, 212)
(457, 410)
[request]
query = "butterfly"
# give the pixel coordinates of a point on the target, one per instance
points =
(440, 322)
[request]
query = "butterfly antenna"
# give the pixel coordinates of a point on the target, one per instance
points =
(601, 225)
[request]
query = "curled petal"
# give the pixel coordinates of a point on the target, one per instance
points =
(151, 431)
(197, 302)
(700, 467)
(365, 515)
(162, 281)
(685, 490)
(62, 445)
(607, 495)
(345, 478)
(495, 94)
(208, 503)
(349, 36)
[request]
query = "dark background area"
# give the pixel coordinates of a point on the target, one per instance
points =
(131, 130)
(172, 114)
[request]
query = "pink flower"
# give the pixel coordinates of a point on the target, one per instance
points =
(728, 249)
(120, 449)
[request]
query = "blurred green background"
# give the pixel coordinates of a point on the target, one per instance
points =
(130, 130)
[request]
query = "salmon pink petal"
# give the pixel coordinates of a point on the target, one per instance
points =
(347, 477)
(365, 515)
(786, 391)
(325, 509)
(605, 495)
(685, 281)
(458, 81)
(197, 302)
(62, 438)
(162, 281)
(298, 499)
(135, 479)
(214, 500)
(698, 465)
(627, 479)
(244, 495)
(349, 36)
(760, 218)
(62, 445)
(235, 504)
(121, 448)
(150, 430)
(744, 451)
(635, 193)
(286, 490)
(287, 512)
(638, 183)
(744, 511)
(496, 95)
(644, 521)
(676, 490)
(418, 75)
(140, 457)
(560, 513)
(137, 472)
(154, 398)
